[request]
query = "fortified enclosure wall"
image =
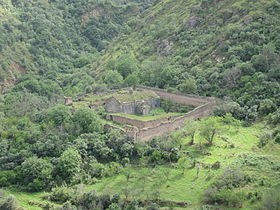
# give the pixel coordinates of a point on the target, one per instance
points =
(177, 97)
(145, 130)
(139, 123)
(166, 127)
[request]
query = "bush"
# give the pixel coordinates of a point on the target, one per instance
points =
(264, 138)
(277, 138)
(271, 200)
(224, 197)
(231, 178)
(7, 202)
(97, 170)
(61, 194)
(7, 178)
(36, 173)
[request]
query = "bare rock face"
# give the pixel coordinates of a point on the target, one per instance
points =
(164, 47)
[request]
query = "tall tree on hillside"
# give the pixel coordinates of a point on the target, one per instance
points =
(209, 128)
(183, 163)
(190, 129)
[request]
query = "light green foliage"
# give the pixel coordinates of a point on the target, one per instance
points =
(86, 121)
(183, 164)
(69, 165)
(190, 128)
(113, 79)
(209, 127)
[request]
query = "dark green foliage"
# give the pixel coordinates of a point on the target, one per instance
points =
(78, 197)
(7, 178)
(36, 174)
(223, 191)
(277, 138)
(224, 197)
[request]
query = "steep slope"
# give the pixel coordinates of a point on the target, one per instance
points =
(217, 47)
(50, 38)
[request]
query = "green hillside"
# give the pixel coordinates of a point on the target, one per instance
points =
(59, 157)
(215, 48)
(55, 39)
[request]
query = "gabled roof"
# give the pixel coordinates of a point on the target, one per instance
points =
(135, 96)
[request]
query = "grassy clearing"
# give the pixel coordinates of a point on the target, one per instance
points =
(24, 198)
(168, 183)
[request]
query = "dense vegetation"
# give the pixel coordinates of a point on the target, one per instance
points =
(223, 48)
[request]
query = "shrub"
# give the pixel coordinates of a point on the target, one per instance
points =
(6, 178)
(277, 138)
(224, 197)
(231, 178)
(7, 202)
(264, 138)
(36, 173)
(271, 200)
(61, 194)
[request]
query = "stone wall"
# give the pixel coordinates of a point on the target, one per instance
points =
(144, 131)
(139, 123)
(112, 105)
(166, 127)
(178, 97)
(131, 108)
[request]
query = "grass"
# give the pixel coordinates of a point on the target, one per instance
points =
(24, 198)
(168, 183)
(91, 100)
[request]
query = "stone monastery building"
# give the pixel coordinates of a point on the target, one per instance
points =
(133, 102)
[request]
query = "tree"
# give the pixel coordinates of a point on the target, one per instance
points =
(183, 163)
(69, 165)
(190, 129)
(188, 86)
(59, 115)
(86, 121)
(36, 173)
(132, 79)
(126, 64)
(267, 106)
(209, 128)
(229, 120)
(113, 79)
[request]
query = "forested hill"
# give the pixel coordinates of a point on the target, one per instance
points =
(54, 38)
(229, 49)
(226, 48)
(221, 48)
